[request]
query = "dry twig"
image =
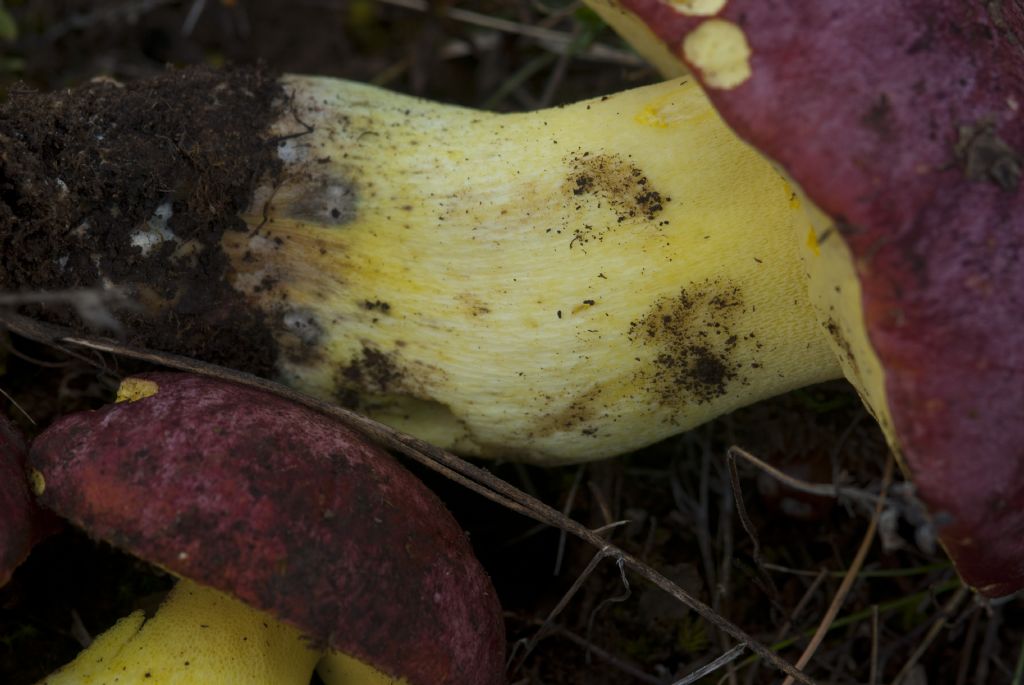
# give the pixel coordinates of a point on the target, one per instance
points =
(555, 41)
(708, 669)
(441, 461)
(938, 624)
(851, 575)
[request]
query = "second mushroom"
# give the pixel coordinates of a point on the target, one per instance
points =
(295, 541)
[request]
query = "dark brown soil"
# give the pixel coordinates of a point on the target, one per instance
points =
(132, 186)
(696, 341)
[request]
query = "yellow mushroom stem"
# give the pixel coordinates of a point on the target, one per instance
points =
(719, 50)
(198, 636)
(556, 286)
(646, 42)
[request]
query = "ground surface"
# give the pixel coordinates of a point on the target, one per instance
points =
(678, 496)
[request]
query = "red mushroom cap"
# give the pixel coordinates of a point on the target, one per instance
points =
(288, 511)
(902, 121)
(22, 522)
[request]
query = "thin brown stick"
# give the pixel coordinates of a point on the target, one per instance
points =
(748, 525)
(741, 509)
(563, 602)
(652, 531)
(17, 406)
(618, 662)
(802, 604)
(570, 501)
(933, 632)
(820, 489)
(608, 601)
(601, 501)
(988, 646)
(717, 579)
(42, 363)
(708, 669)
(726, 547)
(873, 673)
(103, 15)
(781, 633)
(967, 651)
(557, 40)
(557, 76)
(456, 469)
(850, 577)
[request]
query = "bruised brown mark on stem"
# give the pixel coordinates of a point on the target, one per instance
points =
(327, 200)
(376, 372)
(473, 305)
(583, 414)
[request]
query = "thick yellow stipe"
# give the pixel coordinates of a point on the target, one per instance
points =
(198, 637)
(555, 286)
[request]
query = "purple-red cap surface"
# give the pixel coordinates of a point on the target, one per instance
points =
(22, 522)
(288, 511)
(903, 122)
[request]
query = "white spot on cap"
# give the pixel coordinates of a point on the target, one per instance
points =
(719, 50)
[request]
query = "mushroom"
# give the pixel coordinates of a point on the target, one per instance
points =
(554, 286)
(292, 537)
(549, 286)
(22, 522)
(901, 122)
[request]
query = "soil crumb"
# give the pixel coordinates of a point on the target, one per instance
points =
(618, 185)
(133, 186)
(696, 340)
(375, 371)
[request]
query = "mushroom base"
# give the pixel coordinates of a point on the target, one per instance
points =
(555, 286)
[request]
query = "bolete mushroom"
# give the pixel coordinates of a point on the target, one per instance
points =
(575, 283)
(293, 538)
(553, 286)
(902, 123)
(22, 522)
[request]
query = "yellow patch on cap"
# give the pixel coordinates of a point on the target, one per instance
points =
(37, 482)
(720, 51)
(697, 8)
(134, 389)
